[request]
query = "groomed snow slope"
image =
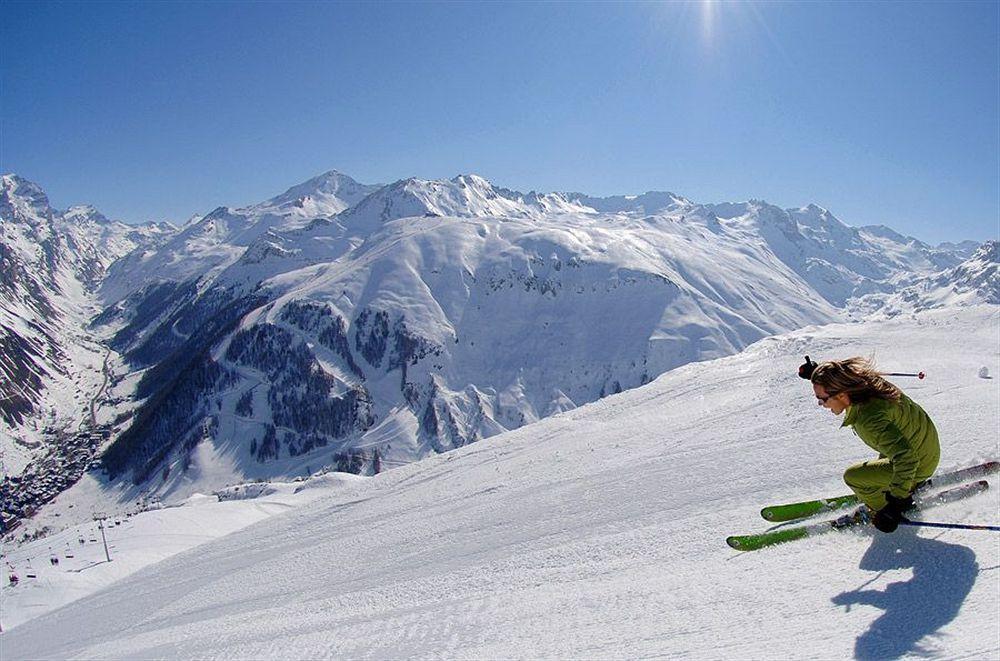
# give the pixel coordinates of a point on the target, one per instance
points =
(600, 533)
(135, 539)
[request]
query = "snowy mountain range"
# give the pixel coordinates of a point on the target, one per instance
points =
(364, 327)
(214, 241)
(976, 280)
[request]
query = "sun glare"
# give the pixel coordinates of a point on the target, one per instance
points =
(708, 8)
(728, 20)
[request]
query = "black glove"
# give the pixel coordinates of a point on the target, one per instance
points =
(887, 519)
(806, 369)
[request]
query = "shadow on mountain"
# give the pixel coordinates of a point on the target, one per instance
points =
(943, 575)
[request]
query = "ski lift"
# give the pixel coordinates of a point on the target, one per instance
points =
(31, 576)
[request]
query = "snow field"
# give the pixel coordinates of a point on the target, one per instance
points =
(600, 533)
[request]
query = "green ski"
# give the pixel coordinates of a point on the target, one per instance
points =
(792, 511)
(859, 517)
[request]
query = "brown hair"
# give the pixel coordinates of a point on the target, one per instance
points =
(857, 377)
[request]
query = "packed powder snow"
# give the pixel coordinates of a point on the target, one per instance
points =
(600, 532)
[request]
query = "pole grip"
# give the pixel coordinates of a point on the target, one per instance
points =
(919, 375)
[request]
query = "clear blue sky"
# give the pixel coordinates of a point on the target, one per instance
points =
(881, 112)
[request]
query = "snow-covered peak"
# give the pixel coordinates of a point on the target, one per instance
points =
(473, 180)
(221, 224)
(23, 200)
(820, 225)
(15, 185)
(813, 215)
(757, 216)
(212, 242)
(85, 213)
(217, 213)
(464, 196)
(324, 195)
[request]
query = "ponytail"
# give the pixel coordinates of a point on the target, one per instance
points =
(857, 377)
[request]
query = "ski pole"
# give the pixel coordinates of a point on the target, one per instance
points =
(957, 526)
(919, 375)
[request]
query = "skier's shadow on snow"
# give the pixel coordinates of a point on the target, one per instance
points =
(943, 575)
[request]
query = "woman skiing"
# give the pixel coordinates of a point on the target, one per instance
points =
(887, 421)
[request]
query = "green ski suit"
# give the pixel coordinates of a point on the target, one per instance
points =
(907, 443)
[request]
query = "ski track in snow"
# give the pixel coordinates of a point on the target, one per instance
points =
(599, 533)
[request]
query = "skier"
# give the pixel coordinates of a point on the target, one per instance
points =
(887, 421)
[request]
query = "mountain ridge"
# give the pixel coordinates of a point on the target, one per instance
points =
(432, 314)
